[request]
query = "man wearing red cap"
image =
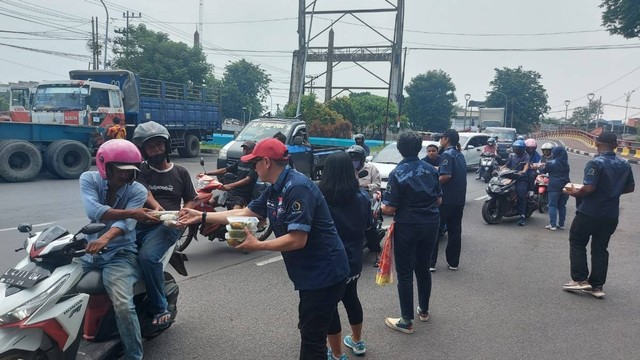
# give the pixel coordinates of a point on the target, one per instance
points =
(313, 253)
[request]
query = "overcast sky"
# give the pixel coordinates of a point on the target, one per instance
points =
(264, 32)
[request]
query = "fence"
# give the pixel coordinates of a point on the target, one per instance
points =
(625, 147)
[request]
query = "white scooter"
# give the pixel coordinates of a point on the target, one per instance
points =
(49, 310)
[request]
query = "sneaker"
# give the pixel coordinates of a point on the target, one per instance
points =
(377, 262)
(422, 315)
(400, 324)
(577, 285)
(521, 221)
(454, 268)
(357, 347)
(331, 357)
(596, 291)
(551, 227)
(560, 227)
(432, 269)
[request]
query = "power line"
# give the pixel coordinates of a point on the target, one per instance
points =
(51, 52)
(31, 67)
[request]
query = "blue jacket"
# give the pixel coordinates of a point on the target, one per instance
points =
(558, 169)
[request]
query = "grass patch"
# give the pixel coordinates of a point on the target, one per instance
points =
(210, 146)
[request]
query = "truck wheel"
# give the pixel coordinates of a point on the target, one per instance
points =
(191, 147)
(67, 159)
(19, 161)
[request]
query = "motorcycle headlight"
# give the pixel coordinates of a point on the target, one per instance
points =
(27, 309)
(202, 184)
(223, 152)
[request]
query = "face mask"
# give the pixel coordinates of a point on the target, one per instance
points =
(356, 164)
(156, 159)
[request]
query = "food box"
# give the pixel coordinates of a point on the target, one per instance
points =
(233, 242)
(576, 186)
(237, 233)
(168, 218)
(240, 222)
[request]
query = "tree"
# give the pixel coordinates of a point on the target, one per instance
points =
(321, 120)
(527, 98)
(4, 101)
(585, 114)
(244, 85)
(621, 17)
(153, 55)
(431, 101)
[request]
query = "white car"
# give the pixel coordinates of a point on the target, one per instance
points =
(388, 158)
(472, 144)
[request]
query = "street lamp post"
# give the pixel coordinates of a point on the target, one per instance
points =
(244, 108)
(106, 34)
(590, 98)
(566, 111)
(626, 108)
(466, 105)
(506, 103)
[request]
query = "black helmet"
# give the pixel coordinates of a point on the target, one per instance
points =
(359, 137)
(149, 130)
(357, 151)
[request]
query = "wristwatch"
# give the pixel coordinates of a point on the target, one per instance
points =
(204, 217)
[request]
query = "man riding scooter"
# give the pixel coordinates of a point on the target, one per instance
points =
(371, 183)
(240, 191)
(520, 162)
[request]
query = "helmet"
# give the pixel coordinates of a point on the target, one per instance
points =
(357, 150)
(358, 137)
(531, 143)
(518, 144)
(491, 141)
(520, 137)
(149, 130)
(116, 151)
(547, 146)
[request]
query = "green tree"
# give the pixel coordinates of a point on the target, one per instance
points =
(153, 55)
(244, 85)
(585, 114)
(321, 120)
(4, 101)
(527, 98)
(431, 101)
(621, 17)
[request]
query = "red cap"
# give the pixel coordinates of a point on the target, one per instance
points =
(268, 148)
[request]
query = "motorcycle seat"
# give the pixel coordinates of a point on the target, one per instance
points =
(91, 283)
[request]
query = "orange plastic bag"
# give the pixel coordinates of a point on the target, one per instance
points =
(385, 267)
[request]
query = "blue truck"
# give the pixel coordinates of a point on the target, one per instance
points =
(307, 158)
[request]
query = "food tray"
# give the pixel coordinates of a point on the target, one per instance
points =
(240, 222)
(233, 242)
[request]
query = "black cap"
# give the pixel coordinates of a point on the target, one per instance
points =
(607, 137)
(249, 144)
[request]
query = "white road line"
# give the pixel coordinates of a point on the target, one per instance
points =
(481, 198)
(269, 261)
(36, 225)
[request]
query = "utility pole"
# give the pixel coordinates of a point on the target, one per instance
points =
(106, 34)
(93, 44)
(626, 108)
(128, 16)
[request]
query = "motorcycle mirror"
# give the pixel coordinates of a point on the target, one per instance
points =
(363, 173)
(25, 228)
(201, 161)
(91, 229)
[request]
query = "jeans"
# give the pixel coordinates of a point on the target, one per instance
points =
(599, 229)
(412, 247)
(119, 274)
(315, 314)
(557, 207)
(153, 242)
(521, 190)
(450, 219)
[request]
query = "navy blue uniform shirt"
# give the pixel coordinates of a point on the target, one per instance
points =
(294, 203)
(352, 219)
(413, 189)
(432, 162)
(610, 175)
(558, 169)
(454, 191)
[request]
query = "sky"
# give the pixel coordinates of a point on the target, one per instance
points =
(264, 32)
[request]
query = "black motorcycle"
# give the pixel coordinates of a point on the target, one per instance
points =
(503, 200)
(488, 163)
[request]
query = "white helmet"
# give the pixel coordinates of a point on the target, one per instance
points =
(547, 146)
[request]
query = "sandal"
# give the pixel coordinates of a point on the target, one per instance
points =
(161, 319)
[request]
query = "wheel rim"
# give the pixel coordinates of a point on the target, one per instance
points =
(492, 210)
(182, 239)
(19, 161)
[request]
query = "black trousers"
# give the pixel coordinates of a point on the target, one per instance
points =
(315, 314)
(351, 304)
(599, 230)
(451, 217)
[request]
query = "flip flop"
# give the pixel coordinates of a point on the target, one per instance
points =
(161, 319)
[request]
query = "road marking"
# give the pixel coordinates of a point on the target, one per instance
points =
(269, 261)
(482, 198)
(36, 225)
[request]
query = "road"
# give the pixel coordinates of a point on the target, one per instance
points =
(505, 301)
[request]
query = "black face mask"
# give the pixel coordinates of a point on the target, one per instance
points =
(156, 159)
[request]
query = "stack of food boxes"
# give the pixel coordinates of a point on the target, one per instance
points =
(236, 229)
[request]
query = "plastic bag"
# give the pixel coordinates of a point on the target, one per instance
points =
(385, 267)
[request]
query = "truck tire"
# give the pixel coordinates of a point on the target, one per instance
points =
(191, 147)
(19, 161)
(67, 159)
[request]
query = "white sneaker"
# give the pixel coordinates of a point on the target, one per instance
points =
(577, 285)
(551, 227)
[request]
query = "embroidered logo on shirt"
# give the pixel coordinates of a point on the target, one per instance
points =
(591, 171)
(444, 162)
(296, 206)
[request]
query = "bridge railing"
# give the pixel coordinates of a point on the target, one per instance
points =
(624, 146)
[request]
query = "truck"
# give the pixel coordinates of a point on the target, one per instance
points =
(68, 118)
(504, 137)
(307, 158)
(491, 117)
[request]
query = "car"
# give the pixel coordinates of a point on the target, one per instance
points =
(388, 158)
(472, 144)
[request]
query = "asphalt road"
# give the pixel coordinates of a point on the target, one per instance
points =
(505, 301)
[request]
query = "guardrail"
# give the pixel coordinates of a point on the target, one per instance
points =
(625, 147)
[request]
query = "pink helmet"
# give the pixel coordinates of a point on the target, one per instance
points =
(118, 151)
(531, 143)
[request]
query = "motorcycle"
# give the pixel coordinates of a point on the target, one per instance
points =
(503, 200)
(50, 310)
(541, 185)
(204, 189)
(488, 163)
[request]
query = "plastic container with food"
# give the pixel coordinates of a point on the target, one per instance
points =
(241, 222)
(231, 241)
(238, 233)
(575, 186)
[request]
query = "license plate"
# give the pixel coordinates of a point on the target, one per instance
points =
(21, 278)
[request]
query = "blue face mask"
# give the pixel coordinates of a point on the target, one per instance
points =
(356, 164)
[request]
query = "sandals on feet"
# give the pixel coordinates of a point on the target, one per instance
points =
(161, 319)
